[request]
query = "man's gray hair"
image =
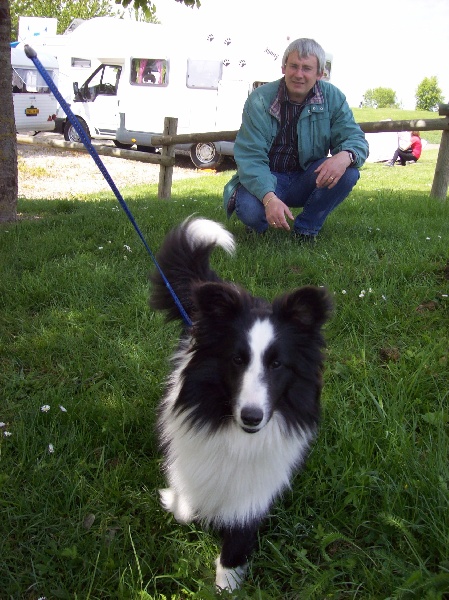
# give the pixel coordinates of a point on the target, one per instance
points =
(306, 47)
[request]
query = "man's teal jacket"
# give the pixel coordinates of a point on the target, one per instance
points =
(323, 128)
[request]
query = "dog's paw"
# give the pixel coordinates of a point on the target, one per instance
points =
(167, 497)
(172, 502)
(229, 579)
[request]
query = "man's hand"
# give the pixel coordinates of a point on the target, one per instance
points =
(276, 212)
(330, 171)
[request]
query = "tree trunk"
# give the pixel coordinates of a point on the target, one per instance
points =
(8, 143)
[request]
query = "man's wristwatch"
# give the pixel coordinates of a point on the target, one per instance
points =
(351, 156)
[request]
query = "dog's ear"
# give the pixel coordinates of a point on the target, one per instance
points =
(217, 300)
(309, 307)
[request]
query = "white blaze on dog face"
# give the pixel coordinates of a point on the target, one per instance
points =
(253, 410)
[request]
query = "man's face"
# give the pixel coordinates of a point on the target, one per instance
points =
(301, 75)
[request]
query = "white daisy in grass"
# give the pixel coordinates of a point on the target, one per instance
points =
(45, 408)
(7, 433)
(62, 409)
(51, 448)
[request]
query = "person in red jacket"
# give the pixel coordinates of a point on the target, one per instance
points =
(412, 153)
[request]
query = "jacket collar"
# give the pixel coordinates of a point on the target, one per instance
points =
(315, 97)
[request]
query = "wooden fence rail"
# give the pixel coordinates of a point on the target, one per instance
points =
(441, 177)
(169, 140)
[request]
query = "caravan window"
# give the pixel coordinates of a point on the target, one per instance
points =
(29, 80)
(203, 74)
(149, 71)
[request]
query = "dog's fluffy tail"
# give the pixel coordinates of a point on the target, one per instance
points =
(184, 260)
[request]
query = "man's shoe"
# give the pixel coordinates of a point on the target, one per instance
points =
(250, 231)
(389, 163)
(303, 238)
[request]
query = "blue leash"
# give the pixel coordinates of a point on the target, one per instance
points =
(32, 55)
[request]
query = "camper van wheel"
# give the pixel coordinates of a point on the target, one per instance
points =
(70, 133)
(122, 146)
(205, 155)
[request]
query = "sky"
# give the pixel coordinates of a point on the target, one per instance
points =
(387, 43)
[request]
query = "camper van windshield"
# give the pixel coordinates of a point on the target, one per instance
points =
(29, 80)
(149, 71)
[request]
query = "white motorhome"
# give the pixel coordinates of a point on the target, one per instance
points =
(34, 104)
(147, 72)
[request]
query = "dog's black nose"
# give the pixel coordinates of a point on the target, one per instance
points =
(251, 415)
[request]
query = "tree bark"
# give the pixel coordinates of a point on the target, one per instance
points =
(8, 145)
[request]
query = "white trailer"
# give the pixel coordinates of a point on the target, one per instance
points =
(147, 72)
(34, 104)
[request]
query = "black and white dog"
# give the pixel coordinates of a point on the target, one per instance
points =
(243, 399)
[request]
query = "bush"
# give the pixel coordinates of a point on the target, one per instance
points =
(380, 98)
(428, 94)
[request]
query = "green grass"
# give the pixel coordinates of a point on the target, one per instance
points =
(369, 515)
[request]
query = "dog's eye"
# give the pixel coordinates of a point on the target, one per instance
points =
(275, 364)
(237, 360)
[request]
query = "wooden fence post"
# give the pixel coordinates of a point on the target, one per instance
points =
(166, 173)
(441, 178)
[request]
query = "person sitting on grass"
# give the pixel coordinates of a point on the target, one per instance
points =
(298, 146)
(411, 153)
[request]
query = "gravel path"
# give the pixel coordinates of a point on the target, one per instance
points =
(46, 172)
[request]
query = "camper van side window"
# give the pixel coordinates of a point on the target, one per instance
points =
(149, 71)
(204, 74)
(29, 80)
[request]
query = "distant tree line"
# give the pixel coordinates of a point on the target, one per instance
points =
(428, 96)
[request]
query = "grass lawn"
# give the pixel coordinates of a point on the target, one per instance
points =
(83, 361)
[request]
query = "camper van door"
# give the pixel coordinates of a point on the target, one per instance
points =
(98, 95)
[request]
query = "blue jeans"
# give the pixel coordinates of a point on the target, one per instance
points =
(297, 189)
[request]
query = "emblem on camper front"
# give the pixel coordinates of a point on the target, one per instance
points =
(31, 111)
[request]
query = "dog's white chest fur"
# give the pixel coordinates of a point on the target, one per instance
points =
(227, 476)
